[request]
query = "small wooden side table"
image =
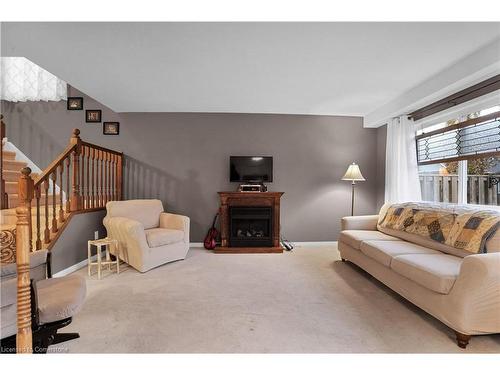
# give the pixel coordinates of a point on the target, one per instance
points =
(99, 244)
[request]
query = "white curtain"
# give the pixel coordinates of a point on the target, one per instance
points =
(21, 80)
(401, 171)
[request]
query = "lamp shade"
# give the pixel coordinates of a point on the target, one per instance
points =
(353, 173)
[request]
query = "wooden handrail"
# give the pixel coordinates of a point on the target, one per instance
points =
(54, 165)
(69, 175)
(101, 148)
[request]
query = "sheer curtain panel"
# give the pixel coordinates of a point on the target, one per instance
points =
(21, 81)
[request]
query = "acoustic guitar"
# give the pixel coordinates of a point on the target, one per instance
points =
(211, 237)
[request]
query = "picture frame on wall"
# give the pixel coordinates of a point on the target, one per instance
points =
(93, 115)
(111, 128)
(74, 103)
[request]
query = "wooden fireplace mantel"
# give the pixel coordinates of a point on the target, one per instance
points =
(249, 199)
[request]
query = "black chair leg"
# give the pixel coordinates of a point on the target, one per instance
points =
(62, 337)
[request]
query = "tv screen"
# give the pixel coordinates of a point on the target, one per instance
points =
(251, 168)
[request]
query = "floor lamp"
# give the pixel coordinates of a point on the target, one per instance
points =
(353, 174)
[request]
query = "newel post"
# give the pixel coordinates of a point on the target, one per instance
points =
(23, 248)
(76, 197)
(119, 177)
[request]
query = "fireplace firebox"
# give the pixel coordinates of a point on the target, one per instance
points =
(249, 222)
(250, 226)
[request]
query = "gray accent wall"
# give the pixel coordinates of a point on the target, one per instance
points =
(183, 158)
(71, 246)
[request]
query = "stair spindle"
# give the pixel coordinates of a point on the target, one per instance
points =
(38, 243)
(93, 199)
(113, 177)
(106, 172)
(101, 204)
(97, 181)
(82, 177)
(87, 200)
(54, 202)
(119, 171)
(46, 232)
(61, 209)
(68, 188)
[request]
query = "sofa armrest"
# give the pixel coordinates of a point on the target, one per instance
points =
(173, 221)
(127, 231)
(365, 222)
(476, 292)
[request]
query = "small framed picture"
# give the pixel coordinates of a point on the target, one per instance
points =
(93, 115)
(74, 103)
(111, 128)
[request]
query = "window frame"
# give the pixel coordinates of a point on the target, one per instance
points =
(462, 170)
(495, 116)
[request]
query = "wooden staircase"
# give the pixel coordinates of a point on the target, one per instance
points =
(84, 177)
(11, 173)
(35, 209)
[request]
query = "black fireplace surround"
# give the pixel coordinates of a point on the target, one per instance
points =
(250, 226)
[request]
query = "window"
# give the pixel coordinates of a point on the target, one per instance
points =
(459, 160)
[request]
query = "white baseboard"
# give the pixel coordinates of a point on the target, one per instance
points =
(195, 244)
(73, 268)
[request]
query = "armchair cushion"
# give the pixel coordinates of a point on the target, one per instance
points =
(60, 297)
(162, 236)
(145, 211)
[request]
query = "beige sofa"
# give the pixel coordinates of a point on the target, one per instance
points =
(147, 236)
(459, 289)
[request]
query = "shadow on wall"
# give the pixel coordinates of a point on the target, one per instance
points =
(38, 145)
(179, 195)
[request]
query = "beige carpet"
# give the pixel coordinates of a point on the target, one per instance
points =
(304, 301)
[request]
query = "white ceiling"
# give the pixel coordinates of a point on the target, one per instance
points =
(294, 68)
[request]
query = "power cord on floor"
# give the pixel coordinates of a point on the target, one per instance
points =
(288, 245)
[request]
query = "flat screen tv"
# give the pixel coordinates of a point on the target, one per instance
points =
(251, 169)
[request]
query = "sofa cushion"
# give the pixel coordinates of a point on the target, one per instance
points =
(145, 211)
(162, 236)
(353, 238)
(384, 251)
(60, 297)
(436, 272)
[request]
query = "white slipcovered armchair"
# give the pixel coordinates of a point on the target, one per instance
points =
(147, 236)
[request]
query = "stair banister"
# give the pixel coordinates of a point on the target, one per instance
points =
(23, 248)
(81, 196)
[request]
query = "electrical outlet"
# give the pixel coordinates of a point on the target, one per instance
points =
(96, 235)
